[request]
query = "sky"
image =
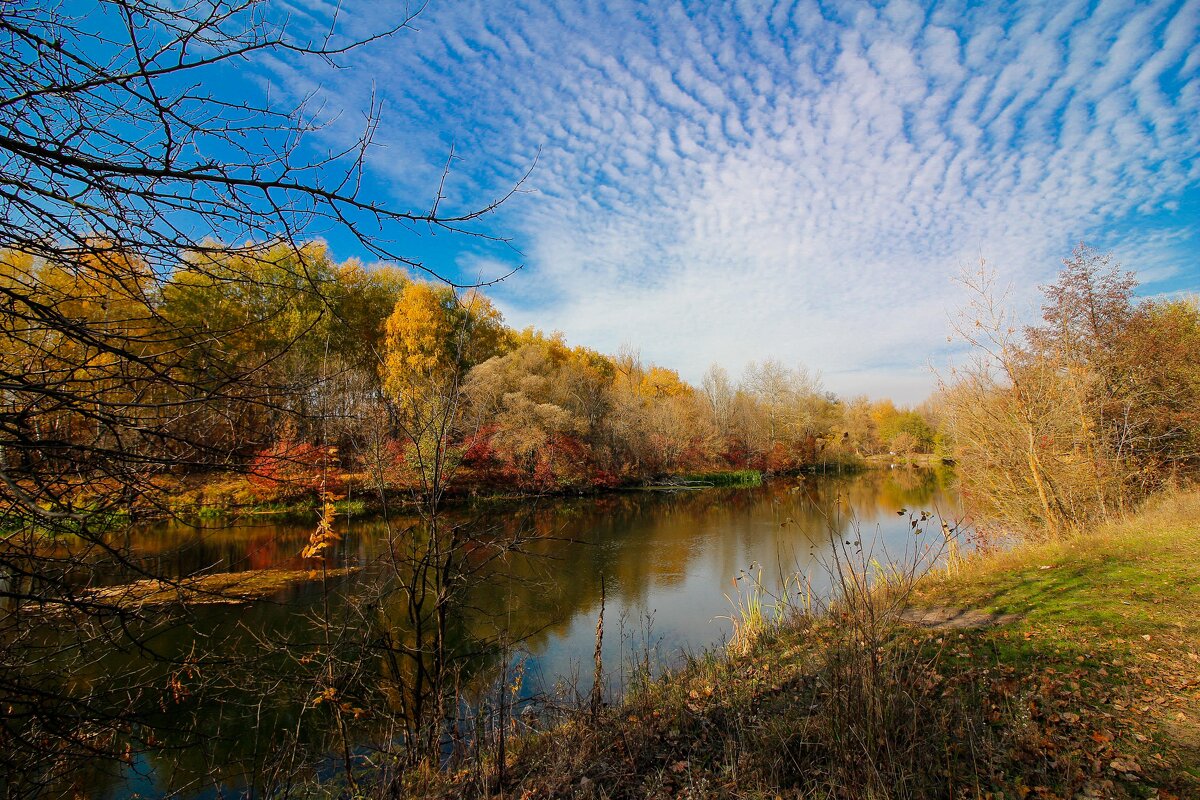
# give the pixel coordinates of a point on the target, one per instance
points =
(728, 182)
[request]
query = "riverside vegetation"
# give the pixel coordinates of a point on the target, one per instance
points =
(369, 370)
(1058, 659)
(873, 690)
(154, 366)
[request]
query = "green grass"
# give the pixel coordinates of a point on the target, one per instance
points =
(93, 520)
(743, 477)
(212, 512)
(350, 508)
(1118, 611)
(1135, 577)
(297, 508)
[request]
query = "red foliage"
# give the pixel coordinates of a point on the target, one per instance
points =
(564, 462)
(288, 469)
(737, 453)
(479, 453)
(604, 479)
(780, 459)
(695, 457)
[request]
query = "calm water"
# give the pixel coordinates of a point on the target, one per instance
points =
(670, 562)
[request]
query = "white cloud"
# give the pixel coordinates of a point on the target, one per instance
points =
(721, 185)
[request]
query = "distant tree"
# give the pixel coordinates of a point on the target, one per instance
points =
(919, 435)
(905, 444)
(719, 393)
(797, 414)
(542, 405)
(861, 426)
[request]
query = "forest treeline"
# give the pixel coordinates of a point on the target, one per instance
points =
(303, 372)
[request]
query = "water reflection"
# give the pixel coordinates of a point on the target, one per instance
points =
(669, 560)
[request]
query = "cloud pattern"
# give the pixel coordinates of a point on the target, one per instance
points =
(732, 181)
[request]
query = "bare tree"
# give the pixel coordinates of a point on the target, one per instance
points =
(719, 392)
(126, 161)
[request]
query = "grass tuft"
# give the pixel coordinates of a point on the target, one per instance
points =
(743, 477)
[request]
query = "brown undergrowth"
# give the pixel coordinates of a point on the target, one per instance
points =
(1084, 683)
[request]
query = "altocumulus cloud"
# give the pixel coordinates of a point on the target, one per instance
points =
(727, 182)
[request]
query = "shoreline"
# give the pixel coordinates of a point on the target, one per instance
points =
(366, 502)
(1056, 669)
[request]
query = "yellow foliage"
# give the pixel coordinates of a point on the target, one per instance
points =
(324, 536)
(433, 337)
(663, 382)
(554, 346)
(882, 412)
(419, 339)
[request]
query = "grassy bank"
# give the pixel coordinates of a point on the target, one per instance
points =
(740, 477)
(1105, 641)
(1075, 674)
(225, 494)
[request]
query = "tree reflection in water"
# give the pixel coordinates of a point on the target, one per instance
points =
(278, 712)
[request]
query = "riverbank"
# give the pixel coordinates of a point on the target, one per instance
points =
(232, 494)
(1075, 675)
(227, 494)
(893, 460)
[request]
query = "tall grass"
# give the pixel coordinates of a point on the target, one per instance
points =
(743, 477)
(757, 609)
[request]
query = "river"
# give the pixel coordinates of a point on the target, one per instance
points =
(674, 564)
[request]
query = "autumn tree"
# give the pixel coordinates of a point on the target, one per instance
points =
(1007, 415)
(1156, 405)
(797, 414)
(540, 408)
(719, 393)
(1118, 361)
(861, 425)
(892, 423)
(658, 422)
(433, 338)
(1060, 424)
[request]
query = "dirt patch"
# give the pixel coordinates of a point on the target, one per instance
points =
(951, 618)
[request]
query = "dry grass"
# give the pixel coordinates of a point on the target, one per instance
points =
(1091, 690)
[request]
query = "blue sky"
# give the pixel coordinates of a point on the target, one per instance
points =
(725, 182)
